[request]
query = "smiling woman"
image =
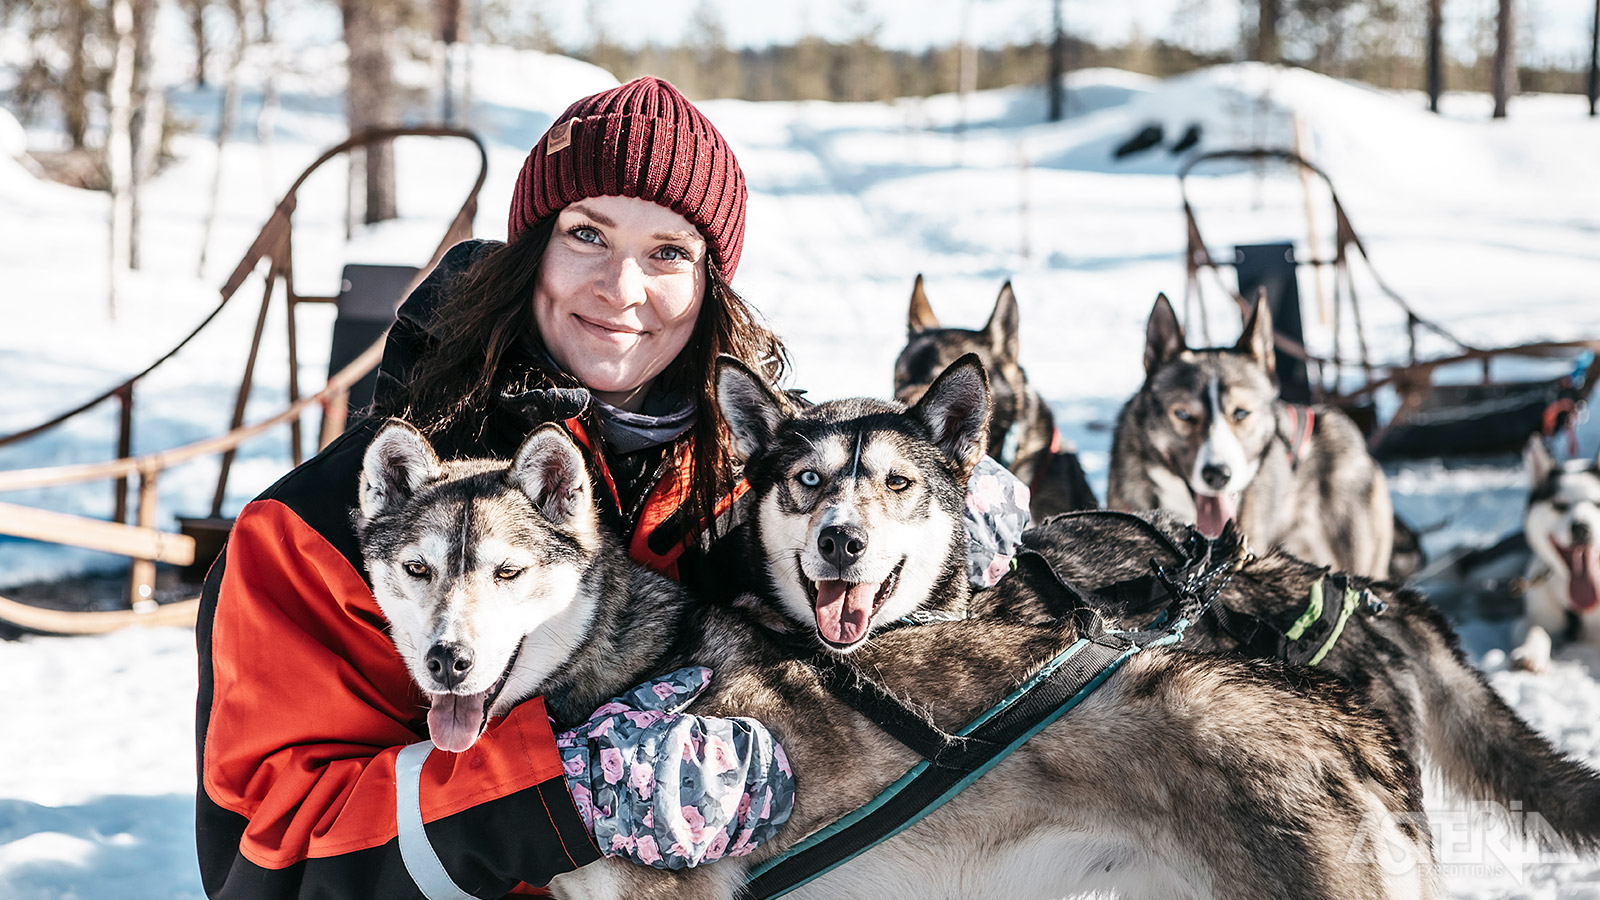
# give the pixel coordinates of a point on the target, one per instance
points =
(602, 314)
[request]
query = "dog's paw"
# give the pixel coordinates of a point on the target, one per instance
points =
(1534, 654)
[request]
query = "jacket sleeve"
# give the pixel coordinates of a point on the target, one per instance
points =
(304, 707)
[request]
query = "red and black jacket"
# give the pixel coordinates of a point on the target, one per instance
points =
(304, 704)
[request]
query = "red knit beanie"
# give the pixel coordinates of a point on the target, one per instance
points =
(642, 139)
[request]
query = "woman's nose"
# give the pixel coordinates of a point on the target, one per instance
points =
(624, 283)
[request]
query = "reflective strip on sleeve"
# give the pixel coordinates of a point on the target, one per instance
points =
(415, 851)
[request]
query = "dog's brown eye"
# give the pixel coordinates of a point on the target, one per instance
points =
(506, 573)
(418, 569)
(1239, 415)
(1560, 506)
(897, 482)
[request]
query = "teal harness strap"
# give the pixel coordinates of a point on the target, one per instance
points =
(946, 770)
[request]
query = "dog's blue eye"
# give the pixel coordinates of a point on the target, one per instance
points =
(1182, 415)
(1239, 415)
(418, 569)
(809, 478)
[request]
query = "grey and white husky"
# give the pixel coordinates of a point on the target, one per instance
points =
(1207, 439)
(1022, 430)
(1170, 780)
(1562, 525)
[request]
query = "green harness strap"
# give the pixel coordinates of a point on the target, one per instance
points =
(1349, 599)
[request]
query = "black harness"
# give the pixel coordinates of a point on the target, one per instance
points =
(951, 762)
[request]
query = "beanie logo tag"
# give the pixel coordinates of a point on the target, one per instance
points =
(560, 136)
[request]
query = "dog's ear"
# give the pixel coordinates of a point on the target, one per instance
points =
(1004, 323)
(921, 317)
(1538, 459)
(1163, 336)
(750, 406)
(549, 468)
(397, 464)
(1256, 341)
(956, 411)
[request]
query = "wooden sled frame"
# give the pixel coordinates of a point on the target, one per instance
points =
(1412, 380)
(142, 541)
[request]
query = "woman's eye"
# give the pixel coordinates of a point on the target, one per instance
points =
(809, 478)
(675, 254)
(506, 573)
(417, 569)
(1239, 415)
(897, 482)
(585, 233)
(1182, 415)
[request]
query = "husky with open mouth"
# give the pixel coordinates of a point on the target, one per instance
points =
(1168, 780)
(1207, 439)
(1562, 525)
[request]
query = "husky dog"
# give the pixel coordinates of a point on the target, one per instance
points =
(1207, 439)
(1562, 525)
(1396, 650)
(1169, 780)
(1022, 431)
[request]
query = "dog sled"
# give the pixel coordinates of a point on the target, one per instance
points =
(358, 347)
(1452, 403)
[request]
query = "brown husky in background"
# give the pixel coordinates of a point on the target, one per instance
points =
(1207, 439)
(1022, 432)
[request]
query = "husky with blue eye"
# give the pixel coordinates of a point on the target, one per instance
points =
(1207, 439)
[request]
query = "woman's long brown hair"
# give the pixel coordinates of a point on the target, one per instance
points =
(489, 307)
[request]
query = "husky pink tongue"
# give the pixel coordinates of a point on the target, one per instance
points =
(844, 610)
(1212, 511)
(1583, 586)
(455, 720)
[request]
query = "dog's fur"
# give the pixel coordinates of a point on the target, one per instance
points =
(1405, 660)
(1022, 429)
(1183, 775)
(1204, 439)
(1562, 525)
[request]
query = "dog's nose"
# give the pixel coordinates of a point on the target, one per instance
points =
(1215, 476)
(1581, 533)
(842, 545)
(449, 662)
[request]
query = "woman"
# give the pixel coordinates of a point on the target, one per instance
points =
(605, 311)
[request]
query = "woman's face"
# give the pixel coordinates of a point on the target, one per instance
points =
(620, 288)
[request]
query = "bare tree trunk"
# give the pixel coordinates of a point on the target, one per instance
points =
(144, 125)
(75, 86)
(119, 150)
(1503, 78)
(372, 97)
(1267, 31)
(1594, 61)
(1435, 53)
(197, 29)
(230, 112)
(1058, 64)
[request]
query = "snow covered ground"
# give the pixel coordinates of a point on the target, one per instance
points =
(1492, 228)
